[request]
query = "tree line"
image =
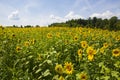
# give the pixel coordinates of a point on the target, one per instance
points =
(26, 26)
(111, 24)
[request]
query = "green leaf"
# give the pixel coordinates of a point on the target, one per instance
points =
(115, 74)
(105, 77)
(38, 70)
(34, 67)
(49, 62)
(117, 64)
(103, 69)
(40, 65)
(101, 64)
(55, 77)
(46, 73)
(39, 77)
(107, 70)
(30, 56)
(27, 62)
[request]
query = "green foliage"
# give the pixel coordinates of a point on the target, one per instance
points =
(27, 26)
(32, 54)
(111, 24)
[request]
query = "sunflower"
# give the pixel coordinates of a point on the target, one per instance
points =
(75, 38)
(49, 35)
(91, 51)
(58, 34)
(84, 44)
(26, 43)
(80, 52)
(105, 45)
(66, 42)
(59, 68)
(68, 68)
(18, 48)
(102, 50)
(116, 52)
(82, 76)
(61, 78)
(33, 41)
(90, 57)
(118, 38)
(13, 35)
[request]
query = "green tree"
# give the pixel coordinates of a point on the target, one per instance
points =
(28, 26)
(94, 21)
(37, 26)
(106, 24)
(118, 25)
(112, 23)
(99, 23)
(89, 22)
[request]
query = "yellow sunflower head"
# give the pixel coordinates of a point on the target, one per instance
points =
(116, 52)
(49, 35)
(33, 41)
(66, 42)
(68, 68)
(102, 50)
(118, 38)
(13, 35)
(61, 78)
(105, 45)
(26, 43)
(18, 48)
(91, 51)
(82, 76)
(75, 38)
(84, 44)
(58, 34)
(59, 68)
(80, 52)
(90, 57)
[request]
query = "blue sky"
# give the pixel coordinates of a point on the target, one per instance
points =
(44, 12)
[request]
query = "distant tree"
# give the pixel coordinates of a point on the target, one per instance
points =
(89, 22)
(112, 23)
(28, 26)
(0, 26)
(21, 26)
(37, 26)
(81, 22)
(105, 24)
(118, 25)
(99, 23)
(15, 26)
(94, 21)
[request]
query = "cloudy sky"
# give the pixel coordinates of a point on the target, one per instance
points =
(44, 12)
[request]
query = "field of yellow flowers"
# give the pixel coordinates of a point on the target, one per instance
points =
(59, 54)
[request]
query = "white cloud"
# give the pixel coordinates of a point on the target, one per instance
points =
(104, 15)
(69, 16)
(56, 17)
(14, 15)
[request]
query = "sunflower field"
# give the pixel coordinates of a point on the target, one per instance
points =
(59, 53)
